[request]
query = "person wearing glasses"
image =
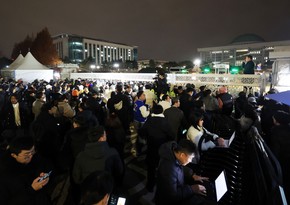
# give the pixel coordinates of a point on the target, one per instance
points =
(20, 174)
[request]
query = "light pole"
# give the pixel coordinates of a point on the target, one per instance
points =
(197, 63)
(92, 67)
(116, 66)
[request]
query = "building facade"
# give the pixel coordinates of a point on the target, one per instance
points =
(146, 63)
(234, 53)
(75, 49)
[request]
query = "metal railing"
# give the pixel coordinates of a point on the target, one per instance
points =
(234, 82)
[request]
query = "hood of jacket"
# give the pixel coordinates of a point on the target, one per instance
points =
(166, 151)
(96, 149)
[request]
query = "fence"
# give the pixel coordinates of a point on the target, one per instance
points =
(235, 83)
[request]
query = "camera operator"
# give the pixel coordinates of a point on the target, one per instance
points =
(161, 85)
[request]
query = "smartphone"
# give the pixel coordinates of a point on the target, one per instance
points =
(46, 175)
(121, 201)
(184, 131)
(115, 200)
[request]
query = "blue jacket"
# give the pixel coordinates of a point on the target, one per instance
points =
(137, 113)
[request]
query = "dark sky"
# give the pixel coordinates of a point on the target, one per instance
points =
(162, 29)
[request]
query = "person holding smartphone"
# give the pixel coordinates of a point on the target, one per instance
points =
(23, 176)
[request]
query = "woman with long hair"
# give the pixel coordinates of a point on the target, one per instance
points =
(197, 132)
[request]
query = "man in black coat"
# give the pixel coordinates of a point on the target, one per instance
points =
(187, 101)
(122, 107)
(171, 186)
(97, 106)
(46, 132)
(225, 100)
(20, 172)
(280, 143)
(15, 118)
(176, 118)
(248, 65)
(249, 68)
(97, 156)
(156, 130)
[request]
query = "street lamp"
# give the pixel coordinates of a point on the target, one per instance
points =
(116, 65)
(92, 67)
(197, 62)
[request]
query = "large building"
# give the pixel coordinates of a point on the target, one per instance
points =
(146, 63)
(234, 53)
(75, 49)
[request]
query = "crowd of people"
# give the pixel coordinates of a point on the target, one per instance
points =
(80, 127)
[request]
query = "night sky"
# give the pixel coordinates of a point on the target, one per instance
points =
(162, 29)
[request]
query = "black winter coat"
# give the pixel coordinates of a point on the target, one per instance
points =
(16, 180)
(9, 118)
(157, 131)
(97, 156)
(171, 189)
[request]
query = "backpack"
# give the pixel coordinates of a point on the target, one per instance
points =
(64, 123)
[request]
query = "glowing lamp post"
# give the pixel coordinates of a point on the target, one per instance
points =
(92, 67)
(197, 62)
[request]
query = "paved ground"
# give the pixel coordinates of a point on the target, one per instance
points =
(135, 177)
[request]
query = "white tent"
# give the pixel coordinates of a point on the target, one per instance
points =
(28, 69)
(17, 62)
(8, 72)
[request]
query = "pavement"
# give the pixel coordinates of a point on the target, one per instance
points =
(135, 175)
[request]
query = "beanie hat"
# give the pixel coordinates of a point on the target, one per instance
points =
(157, 109)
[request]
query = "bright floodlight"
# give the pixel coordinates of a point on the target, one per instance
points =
(197, 62)
(116, 65)
(56, 75)
(98, 67)
(93, 66)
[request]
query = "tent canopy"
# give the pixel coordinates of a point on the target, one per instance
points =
(28, 69)
(16, 63)
(283, 97)
(30, 63)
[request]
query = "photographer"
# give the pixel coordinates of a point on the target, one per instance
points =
(161, 85)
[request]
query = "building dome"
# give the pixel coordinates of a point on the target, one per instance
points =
(247, 38)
